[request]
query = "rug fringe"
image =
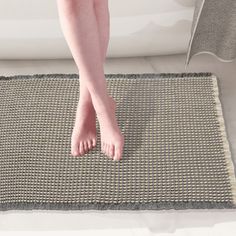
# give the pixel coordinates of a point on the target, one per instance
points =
(228, 155)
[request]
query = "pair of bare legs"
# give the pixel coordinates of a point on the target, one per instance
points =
(85, 25)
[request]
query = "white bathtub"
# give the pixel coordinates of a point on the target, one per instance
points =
(31, 29)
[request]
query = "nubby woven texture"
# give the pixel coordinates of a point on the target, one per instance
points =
(176, 152)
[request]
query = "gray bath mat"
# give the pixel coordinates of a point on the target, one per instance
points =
(176, 153)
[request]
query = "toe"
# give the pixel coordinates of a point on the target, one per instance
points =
(111, 150)
(94, 142)
(89, 144)
(81, 148)
(74, 150)
(103, 147)
(74, 146)
(117, 153)
(107, 149)
(85, 147)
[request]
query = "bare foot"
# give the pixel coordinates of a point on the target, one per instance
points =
(112, 140)
(84, 133)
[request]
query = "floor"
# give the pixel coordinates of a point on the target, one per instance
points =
(152, 221)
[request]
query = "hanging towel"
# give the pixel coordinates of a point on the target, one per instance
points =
(213, 30)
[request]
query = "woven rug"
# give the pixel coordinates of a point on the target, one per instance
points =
(176, 153)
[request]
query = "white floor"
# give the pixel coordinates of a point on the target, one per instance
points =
(152, 222)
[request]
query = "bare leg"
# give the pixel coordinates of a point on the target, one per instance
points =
(103, 23)
(79, 24)
(85, 122)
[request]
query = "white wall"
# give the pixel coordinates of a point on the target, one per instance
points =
(30, 29)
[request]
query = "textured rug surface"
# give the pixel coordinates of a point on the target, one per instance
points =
(176, 153)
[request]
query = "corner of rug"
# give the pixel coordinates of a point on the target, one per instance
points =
(228, 155)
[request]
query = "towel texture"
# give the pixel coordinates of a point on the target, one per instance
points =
(213, 30)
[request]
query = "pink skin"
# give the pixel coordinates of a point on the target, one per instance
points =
(85, 25)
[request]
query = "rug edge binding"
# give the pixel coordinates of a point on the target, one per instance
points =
(116, 206)
(107, 75)
(228, 154)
